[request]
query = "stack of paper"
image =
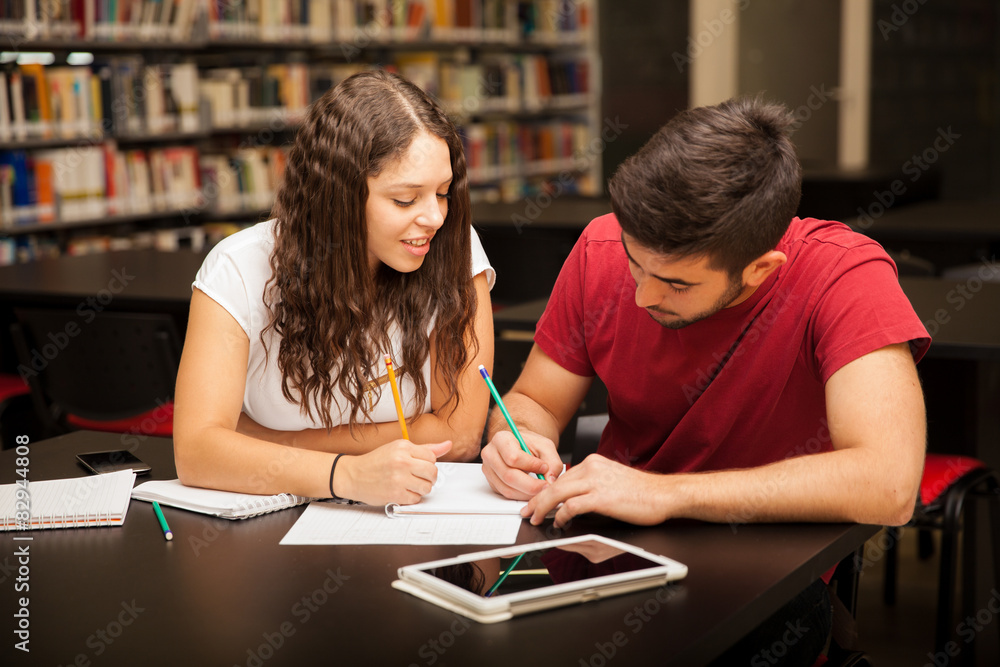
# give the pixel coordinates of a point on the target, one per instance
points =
(460, 509)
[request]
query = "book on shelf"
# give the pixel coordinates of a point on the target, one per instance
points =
(139, 20)
(135, 100)
(148, 99)
(80, 183)
(184, 86)
(256, 95)
(245, 180)
(37, 110)
(324, 77)
(122, 20)
(312, 20)
(502, 83)
(422, 68)
(19, 122)
(45, 192)
(6, 130)
(80, 502)
(496, 21)
(511, 146)
(524, 108)
(295, 20)
(17, 189)
(39, 102)
(38, 19)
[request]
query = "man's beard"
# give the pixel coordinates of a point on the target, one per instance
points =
(733, 291)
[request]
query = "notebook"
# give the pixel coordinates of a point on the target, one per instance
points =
(461, 488)
(79, 502)
(460, 509)
(224, 504)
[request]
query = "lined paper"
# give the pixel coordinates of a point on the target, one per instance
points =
(79, 502)
(328, 523)
(461, 488)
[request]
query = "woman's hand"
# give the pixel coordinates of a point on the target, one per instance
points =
(398, 472)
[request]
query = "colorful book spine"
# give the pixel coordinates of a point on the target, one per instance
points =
(135, 20)
(244, 181)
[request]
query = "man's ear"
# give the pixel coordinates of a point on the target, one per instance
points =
(757, 271)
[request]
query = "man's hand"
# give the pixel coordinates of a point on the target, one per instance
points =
(603, 486)
(508, 468)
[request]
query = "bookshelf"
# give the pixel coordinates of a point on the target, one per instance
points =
(166, 114)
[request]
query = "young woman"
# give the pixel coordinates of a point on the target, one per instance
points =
(282, 384)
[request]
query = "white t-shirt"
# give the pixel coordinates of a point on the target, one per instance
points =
(234, 275)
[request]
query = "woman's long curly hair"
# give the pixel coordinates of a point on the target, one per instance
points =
(331, 312)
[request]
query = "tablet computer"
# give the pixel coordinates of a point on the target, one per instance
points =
(491, 586)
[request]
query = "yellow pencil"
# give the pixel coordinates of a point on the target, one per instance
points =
(395, 396)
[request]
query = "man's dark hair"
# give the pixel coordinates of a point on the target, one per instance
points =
(722, 181)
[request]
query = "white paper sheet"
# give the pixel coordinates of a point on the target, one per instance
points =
(461, 488)
(328, 523)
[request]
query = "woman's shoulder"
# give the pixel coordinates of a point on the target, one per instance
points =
(480, 262)
(240, 257)
(235, 272)
(258, 238)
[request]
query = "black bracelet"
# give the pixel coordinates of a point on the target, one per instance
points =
(332, 469)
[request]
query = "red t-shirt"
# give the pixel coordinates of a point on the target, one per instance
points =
(835, 300)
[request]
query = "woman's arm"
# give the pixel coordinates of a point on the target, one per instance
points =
(463, 425)
(209, 452)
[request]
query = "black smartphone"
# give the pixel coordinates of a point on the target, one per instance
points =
(113, 461)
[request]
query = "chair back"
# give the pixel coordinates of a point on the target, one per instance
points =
(98, 366)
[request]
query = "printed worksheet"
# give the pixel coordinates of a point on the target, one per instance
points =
(330, 523)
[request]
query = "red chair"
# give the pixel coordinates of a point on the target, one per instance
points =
(948, 481)
(11, 386)
(112, 371)
(158, 421)
(14, 402)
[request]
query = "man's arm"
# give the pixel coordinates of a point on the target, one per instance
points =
(875, 411)
(541, 402)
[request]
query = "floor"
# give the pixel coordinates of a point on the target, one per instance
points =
(903, 635)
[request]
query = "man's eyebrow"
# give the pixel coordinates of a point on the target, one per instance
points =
(669, 281)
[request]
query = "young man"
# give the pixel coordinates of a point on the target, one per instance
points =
(759, 367)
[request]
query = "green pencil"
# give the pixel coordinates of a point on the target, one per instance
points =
(167, 534)
(506, 415)
(503, 576)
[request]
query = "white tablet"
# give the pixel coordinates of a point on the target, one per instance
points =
(491, 586)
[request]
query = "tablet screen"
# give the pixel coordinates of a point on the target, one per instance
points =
(538, 568)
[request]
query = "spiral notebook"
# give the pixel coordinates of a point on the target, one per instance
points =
(461, 488)
(224, 504)
(79, 502)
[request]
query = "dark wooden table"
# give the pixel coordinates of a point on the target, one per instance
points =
(226, 593)
(119, 280)
(150, 281)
